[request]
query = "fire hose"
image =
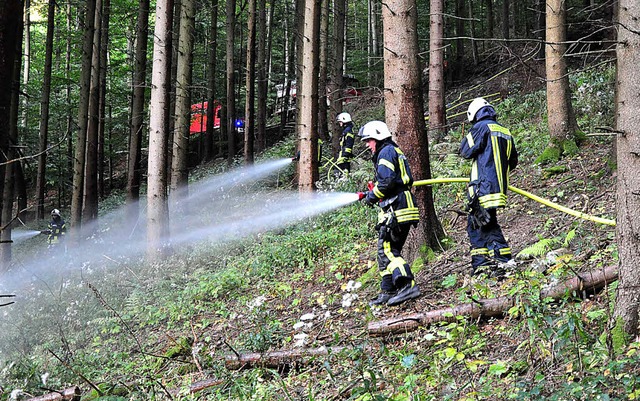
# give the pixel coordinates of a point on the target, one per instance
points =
(529, 195)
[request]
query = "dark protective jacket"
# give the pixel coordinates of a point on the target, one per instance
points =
(493, 152)
(57, 231)
(346, 143)
(393, 183)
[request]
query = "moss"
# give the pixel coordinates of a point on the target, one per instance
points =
(619, 338)
(551, 171)
(550, 154)
(570, 148)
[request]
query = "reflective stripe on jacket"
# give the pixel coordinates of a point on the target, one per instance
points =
(346, 143)
(493, 152)
(57, 231)
(393, 183)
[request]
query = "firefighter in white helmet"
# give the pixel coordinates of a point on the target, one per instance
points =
(392, 192)
(493, 154)
(57, 230)
(347, 137)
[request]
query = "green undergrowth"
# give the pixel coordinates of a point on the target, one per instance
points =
(149, 329)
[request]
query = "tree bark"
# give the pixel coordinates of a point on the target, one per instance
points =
(157, 208)
(230, 78)
(208, 153)
(102, 95)
(90, 206)
(437, 111)
(308, 97)
(323, 48)
(250, 86)
(83, 121)
(10, 153)
(560, 116)
(44, 112)
(134, 167)
(404, 112)
(68, 394)
(179, 167)
(335, 82)
(278, 359)
(628, 159)
(490, 307)
(261, 76)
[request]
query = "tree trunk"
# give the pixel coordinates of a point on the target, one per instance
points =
(134, 165)
(231, 98)
(628, 158)
(491, 307)
(405, 114)
(83, 121)
(308, 97)
(323, 49)
(211, 86)
(506, 20)
(44, 113)
(157, 208)
(26, 64)
(249, 115)
(460, 34)
(437, 111)
(179, 165)
(102, 95)
(561, 120)
(490, 18)
(90, 207)
(335, 81)
(261, 75)
(10, 152)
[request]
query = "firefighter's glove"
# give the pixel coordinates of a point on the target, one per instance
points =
(479, 216)
(369, 199)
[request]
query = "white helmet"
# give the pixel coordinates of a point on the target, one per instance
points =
(55, 212)
(474, 106)
(343, 118)
(374, 130)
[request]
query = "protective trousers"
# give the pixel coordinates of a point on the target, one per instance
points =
(487, 242)
(395, 271)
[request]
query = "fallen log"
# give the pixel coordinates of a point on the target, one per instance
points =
(277, 359)
(196, 387)
(68, 394)
(490, 307)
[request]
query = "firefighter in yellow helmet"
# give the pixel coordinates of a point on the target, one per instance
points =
(392, 192)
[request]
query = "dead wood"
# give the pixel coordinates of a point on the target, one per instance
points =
(278, 359)
(71, 393)
(491, 307)
(196, 387)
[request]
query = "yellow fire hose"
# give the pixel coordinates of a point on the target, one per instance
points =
(528, 195)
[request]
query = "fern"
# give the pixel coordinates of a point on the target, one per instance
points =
(538, 249)
(570, 236)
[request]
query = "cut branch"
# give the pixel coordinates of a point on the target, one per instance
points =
(278, 359)
(71, 393)
(491, 307)
(196, 387)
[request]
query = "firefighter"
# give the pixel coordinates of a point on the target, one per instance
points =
(392, 192)
(56, 230)
(492, 152)
(346, 142)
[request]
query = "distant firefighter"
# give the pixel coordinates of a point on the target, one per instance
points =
(347, 138)
(57, 229)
